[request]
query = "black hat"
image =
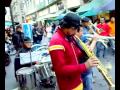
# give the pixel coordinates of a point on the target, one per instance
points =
(85, 19)
(72, 19)
(27, 39)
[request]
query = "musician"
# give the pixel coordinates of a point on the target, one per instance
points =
(27, 44)
(65, 54)
(104, 31)
(104, 27)
(86, 29)
(112, 33)
(88, 75)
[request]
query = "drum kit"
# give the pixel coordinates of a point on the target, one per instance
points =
(37, 76)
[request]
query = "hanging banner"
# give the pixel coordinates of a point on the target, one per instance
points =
(27, 29)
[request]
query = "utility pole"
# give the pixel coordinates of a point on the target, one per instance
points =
(11, 14)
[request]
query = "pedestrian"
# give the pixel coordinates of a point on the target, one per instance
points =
(37, 34)
(27, 44)
(65, 55)
(7, 50)
(17, 38)
(112, 33)
(34, 33)
(104, 31)
(53, 27)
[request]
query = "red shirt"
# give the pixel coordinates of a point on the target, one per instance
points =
(65, 56)
(105, 29)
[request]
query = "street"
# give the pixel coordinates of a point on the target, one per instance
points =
(99, 84)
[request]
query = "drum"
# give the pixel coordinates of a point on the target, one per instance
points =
(44, 71)
(26, 78)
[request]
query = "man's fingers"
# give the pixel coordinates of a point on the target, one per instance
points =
(95, 65)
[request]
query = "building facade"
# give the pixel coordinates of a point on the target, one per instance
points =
(32, 10)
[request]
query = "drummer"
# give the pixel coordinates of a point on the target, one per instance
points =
(27, 44)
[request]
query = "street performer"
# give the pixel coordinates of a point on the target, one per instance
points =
(65, 55)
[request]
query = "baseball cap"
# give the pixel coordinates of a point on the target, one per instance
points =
(72, 19)
(85, 19)
(27, 40)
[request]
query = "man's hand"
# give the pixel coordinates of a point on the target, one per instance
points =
(92, 62)
(91, 31)
(95, 37)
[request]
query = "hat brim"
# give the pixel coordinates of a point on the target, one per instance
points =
(28, 41)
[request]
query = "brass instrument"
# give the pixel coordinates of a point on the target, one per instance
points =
(100, 37)
(100, 67)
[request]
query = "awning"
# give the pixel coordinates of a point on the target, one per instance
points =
(90, 13)
(59, 17)
(109, 6)
(93, 4)
(8, 23)
(105, 8)
(50, 15)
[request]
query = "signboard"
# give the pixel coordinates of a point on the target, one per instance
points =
(27, 29)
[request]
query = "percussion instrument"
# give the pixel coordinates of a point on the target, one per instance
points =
(44, 71)
(26, 78)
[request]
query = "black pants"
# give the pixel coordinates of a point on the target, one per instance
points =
(35, 39)
(17, 65)
(17, 48)
(39, 38)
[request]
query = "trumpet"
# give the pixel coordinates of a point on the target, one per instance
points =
(100, 37)
(100, 67)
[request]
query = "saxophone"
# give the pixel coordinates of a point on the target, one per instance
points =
(100, 66)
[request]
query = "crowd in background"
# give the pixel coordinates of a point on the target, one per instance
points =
(105, 29)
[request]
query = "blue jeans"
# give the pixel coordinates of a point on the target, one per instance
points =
(112, 45)
(87, 78)
(100, 47)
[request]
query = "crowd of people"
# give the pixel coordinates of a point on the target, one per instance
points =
(72, 67)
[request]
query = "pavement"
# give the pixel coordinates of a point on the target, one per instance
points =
(99, 84)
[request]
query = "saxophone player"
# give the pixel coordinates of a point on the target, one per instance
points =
(65, 55)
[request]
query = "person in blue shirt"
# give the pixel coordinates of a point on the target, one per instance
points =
(87, 76)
